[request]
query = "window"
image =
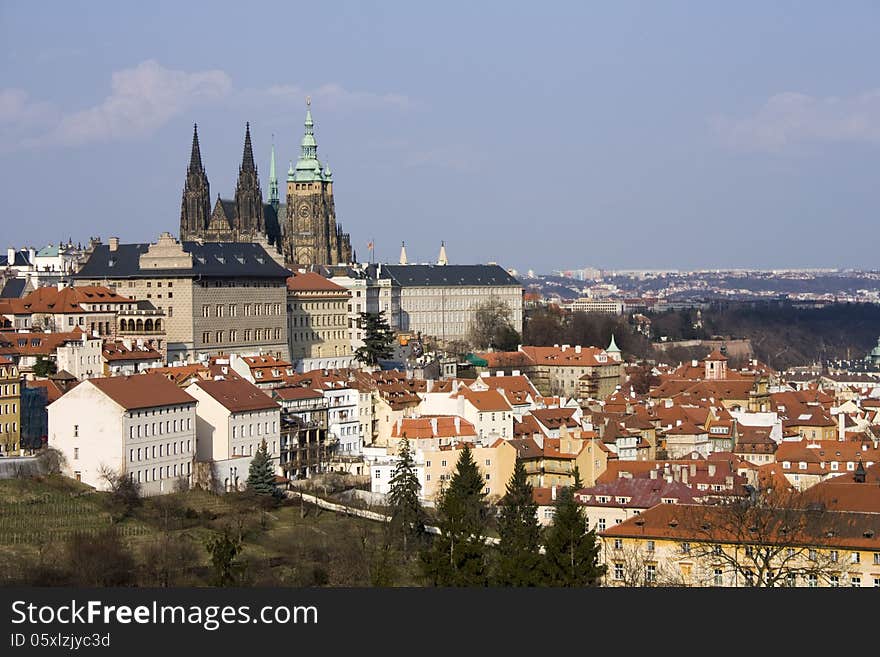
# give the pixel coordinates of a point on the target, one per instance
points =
(443, 464)
(877, 558)
(206, 337)
(833, 555)
(650, 546)
(855, 582)
(834, 581)
(718, 577)
(812, 580)
(378, 474)
(618, 543)
(428, 465)
(601, 524)
(812, 555)
(855, 557)
(76, 431)
(618, 571)
(650, 573)
(685, 548)
(75, 453)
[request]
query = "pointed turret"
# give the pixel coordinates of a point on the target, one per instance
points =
(247, 158)
(195, 206)
(613, 350)
(274, 199)
(308, 167)
(248, 219)
(442, 259)
(403, 253)
(195, 158)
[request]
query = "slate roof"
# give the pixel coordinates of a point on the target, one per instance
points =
(441, 275)
(210, 259)
(13, 288)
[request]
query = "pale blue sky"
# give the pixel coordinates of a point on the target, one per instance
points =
(539, 135)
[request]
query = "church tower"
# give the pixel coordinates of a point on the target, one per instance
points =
(195, 208)
(312, 236)
(248, 201)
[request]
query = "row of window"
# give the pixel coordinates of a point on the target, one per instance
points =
(318, 320)
(153, 428)
(142, 454)
(310, 336)
(156, 474)
(249, 334)
(248, 450)
(6, 408)
(10, 427)
(219, 310)
(247, 430)
(11, 389)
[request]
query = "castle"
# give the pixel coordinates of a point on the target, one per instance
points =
(303, 229)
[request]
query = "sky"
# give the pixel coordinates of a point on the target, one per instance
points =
(544, 136)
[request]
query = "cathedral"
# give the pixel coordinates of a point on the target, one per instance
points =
(303, 229)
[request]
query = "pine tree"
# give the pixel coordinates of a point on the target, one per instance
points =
(571, 552)
(518, 563)
(378, 338)
(458, 555)
(576, 474)
(407, 514)
(261, 478)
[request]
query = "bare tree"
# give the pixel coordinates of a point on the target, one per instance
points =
(492, 326)
(125, 492)
(770, 540)
(631, 565)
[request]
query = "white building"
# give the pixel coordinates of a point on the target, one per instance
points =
(82, 358)
(344, 420)
(234, 417)
(142, 427)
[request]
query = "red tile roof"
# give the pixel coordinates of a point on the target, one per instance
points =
(141, 391)
(238, 395)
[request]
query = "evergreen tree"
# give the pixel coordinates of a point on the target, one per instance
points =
(519, 563)
(378, 338)
(458, 555)
(571, 552)
(407, 514)
(261, 478)
(578, 483)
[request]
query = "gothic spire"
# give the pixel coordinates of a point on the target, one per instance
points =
(247, 159)
(273, 180)
(442, 259)
(403, 260)
(195, 159)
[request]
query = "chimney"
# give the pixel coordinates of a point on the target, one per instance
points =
(399, 425)
(695, 363)
(553, 492)
(654, 473)
(429, 385)
(577, 349)
(684, 475)
(114, 243)
(711, 469)
(693, 469)
(10, 257)
(514, 373)
(457, 420)
(434, 426)
(841, 431)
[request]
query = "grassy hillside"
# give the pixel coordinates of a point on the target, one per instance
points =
(59, 532)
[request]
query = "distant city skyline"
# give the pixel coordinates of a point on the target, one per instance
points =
(637, 136)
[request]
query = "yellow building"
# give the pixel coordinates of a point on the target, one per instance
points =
(317, 322)
(496, 464)
(737, 546)
(10, 408)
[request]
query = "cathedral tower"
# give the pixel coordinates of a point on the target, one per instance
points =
(195, 208)
(248, 217)
(312, 236)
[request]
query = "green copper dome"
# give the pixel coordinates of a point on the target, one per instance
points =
(308, 166)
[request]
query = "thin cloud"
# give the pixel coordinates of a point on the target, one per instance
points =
(790, 118)
(142, 99)
(336, 97)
